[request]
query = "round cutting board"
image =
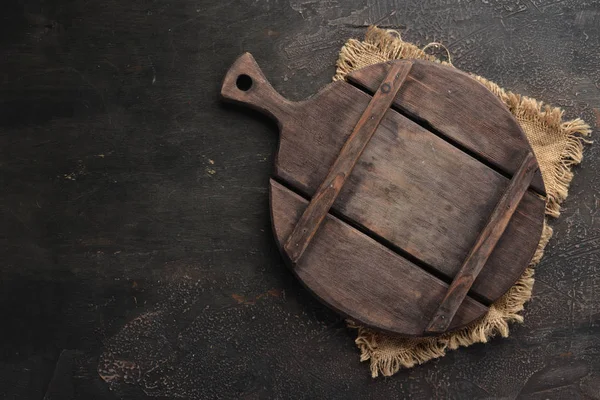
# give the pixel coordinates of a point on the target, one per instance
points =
(406, 197)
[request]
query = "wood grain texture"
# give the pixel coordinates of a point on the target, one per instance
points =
(406, 177)
(258, 94)
(137, 259)
(342, 167)
(412, 190)
(493, 134)
(485, 244)
(386, 293)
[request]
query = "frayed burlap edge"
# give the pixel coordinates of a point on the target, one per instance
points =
(545, 130)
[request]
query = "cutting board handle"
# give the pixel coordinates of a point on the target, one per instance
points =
(246, 84)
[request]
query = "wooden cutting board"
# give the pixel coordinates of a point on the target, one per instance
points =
(406, 197)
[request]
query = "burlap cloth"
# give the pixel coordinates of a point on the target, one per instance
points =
(557, 145)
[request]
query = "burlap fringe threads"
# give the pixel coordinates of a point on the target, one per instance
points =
(558, 146)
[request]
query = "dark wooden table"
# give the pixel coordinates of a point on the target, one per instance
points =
(137, 256)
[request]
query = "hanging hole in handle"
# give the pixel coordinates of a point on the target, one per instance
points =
(243, 82)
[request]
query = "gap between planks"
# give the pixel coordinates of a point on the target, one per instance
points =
(427, 126)
(447, 280)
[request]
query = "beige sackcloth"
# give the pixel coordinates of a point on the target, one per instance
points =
(557, 144)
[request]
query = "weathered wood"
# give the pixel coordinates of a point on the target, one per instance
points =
(341, 169)
(77, 83)
(387, 293)
(246, 84)
(413, 190)
(461, 109)
(486, 242)
(426, 165)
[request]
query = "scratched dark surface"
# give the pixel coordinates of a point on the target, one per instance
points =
(137, 257)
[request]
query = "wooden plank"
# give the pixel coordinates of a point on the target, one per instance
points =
(160, 204)
(461, 109)
(339, 268)
(408, 177)
(416, 193)
(341, 169)
(486, 242)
